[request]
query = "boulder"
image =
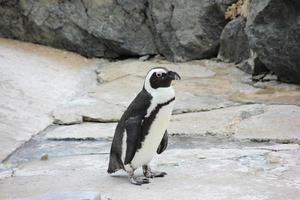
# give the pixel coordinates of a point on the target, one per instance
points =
(179, 30)
(273, 29)
(187, 30)
(234, 42)
(111, 28)
(253, 66)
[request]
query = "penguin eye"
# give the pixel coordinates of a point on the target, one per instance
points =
(158, 74)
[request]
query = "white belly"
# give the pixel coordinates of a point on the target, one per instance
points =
(152, 140)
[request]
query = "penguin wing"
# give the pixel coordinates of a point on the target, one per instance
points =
(163, 144)
(133, 129)
(134, 116)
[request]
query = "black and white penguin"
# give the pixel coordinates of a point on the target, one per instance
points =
(142, 129)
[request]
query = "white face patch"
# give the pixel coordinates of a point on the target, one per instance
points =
(159, 95)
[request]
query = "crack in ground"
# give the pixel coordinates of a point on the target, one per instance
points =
(27, 142)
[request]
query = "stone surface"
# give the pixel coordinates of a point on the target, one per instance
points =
(271, 28)
(253, 66)
(215, 122)
(92, 28)
(234, 45)
(205, 85)
(70, 196)
(275, 122)
(230, 133)
(120, 69)
(64, 89)
(119, 28)
(187, 30)
(33, 81)
(83, 131)
(188, 102)
(257, 173)
(87, 109)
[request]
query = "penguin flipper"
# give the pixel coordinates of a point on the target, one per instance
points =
(163, 144)
(133, 130)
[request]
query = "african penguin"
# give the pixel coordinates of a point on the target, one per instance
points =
(142, 129)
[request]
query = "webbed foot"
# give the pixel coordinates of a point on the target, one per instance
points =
(152, 174)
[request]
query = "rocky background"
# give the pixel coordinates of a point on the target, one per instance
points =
(260, 35)
(233, 135)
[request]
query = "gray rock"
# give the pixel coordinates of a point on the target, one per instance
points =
(179, 30)
(70, 196)
(258, 122)
(220, 122)
(279, 122)
(76, 113)
(83, 131)
(234, 42)
(92, 28)
(254, 171)
(186, 30)
(189, 102)
(272, 28)
(253, 66)
(144, 58)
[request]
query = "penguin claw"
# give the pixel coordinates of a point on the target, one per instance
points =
(160, 174)
(139, 180)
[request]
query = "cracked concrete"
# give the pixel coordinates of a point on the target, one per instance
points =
(229, 132)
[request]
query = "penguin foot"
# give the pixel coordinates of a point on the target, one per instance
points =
(155, 174)
(152, 174)
(139, 180)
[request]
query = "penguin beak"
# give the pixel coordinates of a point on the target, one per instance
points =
(173, 75)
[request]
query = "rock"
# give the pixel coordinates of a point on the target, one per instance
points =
(240, 8)
(44, 157)
(216, 122)
(253, 66)
(279, 147)
(271, 28)
(272, 158)
(189, 102)
(131, 67)
(234, 42)
(34, 80)
(100, 29)
(70, 196)
(228, 166)
(144, 58)
(83, 131)
(278, 122)
(119, 28)
(187, 30)
(87, 109)
(270, 77)
(257, 122)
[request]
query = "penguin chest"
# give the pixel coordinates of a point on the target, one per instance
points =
(155, 134)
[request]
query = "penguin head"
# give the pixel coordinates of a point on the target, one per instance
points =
(160, 77)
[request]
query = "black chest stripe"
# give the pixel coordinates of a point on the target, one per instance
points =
(148, 121)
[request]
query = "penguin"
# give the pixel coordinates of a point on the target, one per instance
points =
(141, 132)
